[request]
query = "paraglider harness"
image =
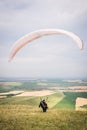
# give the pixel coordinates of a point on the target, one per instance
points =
(43, 105)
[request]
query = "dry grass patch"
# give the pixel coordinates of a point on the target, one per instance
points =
(80, 102)
(37, 93)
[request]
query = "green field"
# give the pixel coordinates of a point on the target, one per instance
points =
(65, 100)
(69, 101)
(53, 99)
(59, 100)
(37, 85)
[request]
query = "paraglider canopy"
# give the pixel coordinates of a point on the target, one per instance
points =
(20, 43)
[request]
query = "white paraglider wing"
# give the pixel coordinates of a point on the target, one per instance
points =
(40, 33)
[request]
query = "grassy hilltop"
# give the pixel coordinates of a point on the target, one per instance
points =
(25, 117)
(23, 113)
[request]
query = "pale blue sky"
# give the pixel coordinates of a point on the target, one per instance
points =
(54, 56)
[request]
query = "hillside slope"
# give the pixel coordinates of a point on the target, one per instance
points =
(25, 117)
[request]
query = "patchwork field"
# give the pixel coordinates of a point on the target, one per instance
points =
(61, 94)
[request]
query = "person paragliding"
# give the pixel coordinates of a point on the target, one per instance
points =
(20, 43)
(43, 105)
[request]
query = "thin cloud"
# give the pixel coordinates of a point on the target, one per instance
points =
(48, 56)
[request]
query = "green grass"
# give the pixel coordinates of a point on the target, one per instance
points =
(25, 117)
(53, 99)
(58, 100)
(68, 102)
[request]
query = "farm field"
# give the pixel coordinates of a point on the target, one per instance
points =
(59, 100)
(61, 94)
